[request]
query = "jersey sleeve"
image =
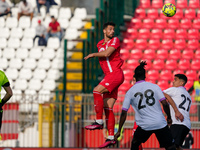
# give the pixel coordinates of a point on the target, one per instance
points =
(114, 43)
(127, 101)
(170, 91)
(160, 94)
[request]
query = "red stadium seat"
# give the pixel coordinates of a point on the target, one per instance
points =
(196, 23)
(149, 64)
(124, 53)
(128, 43)
(180, 44)
(154, 44)
(178, 72)
(136, 23)
(140, 13)
(194, 3)
(171, 64)
(162, 54)
(132, 64)
(152, 75)
(158, 64)
(124, 86)
(163, 85)
(181, 34)
(193, 44)
(179, 14)
(162, 15)
(181, 4)
(156, 34)
(170, 1)
(141, 44)
(195, 64)
(161, 23)
(145, 4)
(185, 23)
(144, 33)
(148, 23)
(197, 54)
(184, 64)
(190, 13)
(193, 34)
(136, 54)
(169, 34)
(157, 3)
(152, 13)
(173, 23)
(188, 85)
(149, 54)
(131, 33)
(167, 44)
(187, 54)
(198, 13)
(166, 75)
(191, 74)
(128, 74)
(175, 54)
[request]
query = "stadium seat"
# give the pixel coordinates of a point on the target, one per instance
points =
(152, 13)
(15, 63)
(12, 73)
(11, 22)
(35, 53)
(5, 33)
(46, 22)
(191, 74)
(179, 14)
(13, 43)
(124, 53)
(185, 23)
(184, 64)
(128, 43)
(161, 23)
(136, 23)
(4, 63)
(29, 63)
(196, 23)
(53, 43)
(25, 74)
(34, 84)
(57, 63)
(71, 33)
(197, 54)
(53, 11)
(29, 33)
(173, 23)
(0, 53)
(154, 44)
(44, 96)
(148, 23)
(49, 85)
(132, 33)
(22, 53)
(152, 75)
(190, 13)
(141, 44)
(169, 1)
(24, 22)
(175, 54)
(179, 44)
(34, 21)
(135, 54)
(64, 23)
(193, 34)
(44, 63)
(80, 13)
(27, 43)
(187, 54)
(156, 34)
(9, 53)
(165, 75)
(170, 64)
(149, 54)
(124, 86)
(163, 85)
(76, 23)
(140, 13)
(181, 33)
(178, 72)
(188, 85)
(195, 64)
(149, 63)
(162, 54)
(167, 44)
(145, 4)
(132, 64)
(65, 13)
(158, 64)
(2, 22)
(181, 4)
(39, 74)
(53, 74)
(198, 13)
(157, 3)
(168, 34)
(16, 33)
(3, 42)
(48, 53)
(162, 15)
(21, 84)
(194, 4)
(144, 33)
(128, 74)
(193, 44)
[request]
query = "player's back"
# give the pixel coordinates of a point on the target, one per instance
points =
(144, 98)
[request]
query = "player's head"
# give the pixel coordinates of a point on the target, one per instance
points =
(140, 72)
(179, 80)
(109, 29)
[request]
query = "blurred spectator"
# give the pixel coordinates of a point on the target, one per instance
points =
(15, 1)
(4, 8)
(40, 32)
(43, 2)
(54, 29)
(25, 9)
(189, 140)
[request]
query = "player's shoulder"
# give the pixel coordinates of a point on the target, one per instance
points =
(100, 43)
(1, 72)
(115, 39)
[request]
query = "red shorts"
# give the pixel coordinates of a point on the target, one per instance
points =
(112, 82)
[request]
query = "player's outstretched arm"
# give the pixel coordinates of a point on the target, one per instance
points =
(178, 115)
(121, 123)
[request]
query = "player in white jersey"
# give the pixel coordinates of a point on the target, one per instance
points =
(144, 98)
(183, 101)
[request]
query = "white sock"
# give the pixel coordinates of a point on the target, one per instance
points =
(99, 121)
(110, 137)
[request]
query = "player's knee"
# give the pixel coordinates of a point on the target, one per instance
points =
(173, 147)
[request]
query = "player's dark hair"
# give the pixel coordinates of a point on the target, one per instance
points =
(140, 72)
(107, 24)
(182, 77)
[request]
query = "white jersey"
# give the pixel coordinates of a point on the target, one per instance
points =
(183, 102)
(144, 98)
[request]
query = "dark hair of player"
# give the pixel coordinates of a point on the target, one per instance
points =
(182, 77)
(107, 24)
(140, 72)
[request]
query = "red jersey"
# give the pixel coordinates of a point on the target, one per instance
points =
(54, 26)
(113, 62)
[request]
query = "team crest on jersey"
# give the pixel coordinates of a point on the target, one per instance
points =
(103, 43)
(102, 49)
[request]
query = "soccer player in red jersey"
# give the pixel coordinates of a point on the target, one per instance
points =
(105, 93)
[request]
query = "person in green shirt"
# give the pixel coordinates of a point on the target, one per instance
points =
(6, 85)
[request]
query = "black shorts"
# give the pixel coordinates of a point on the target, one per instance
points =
(179, 133)
(163, 135)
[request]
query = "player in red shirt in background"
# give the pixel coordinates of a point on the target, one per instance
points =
(105, 93)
